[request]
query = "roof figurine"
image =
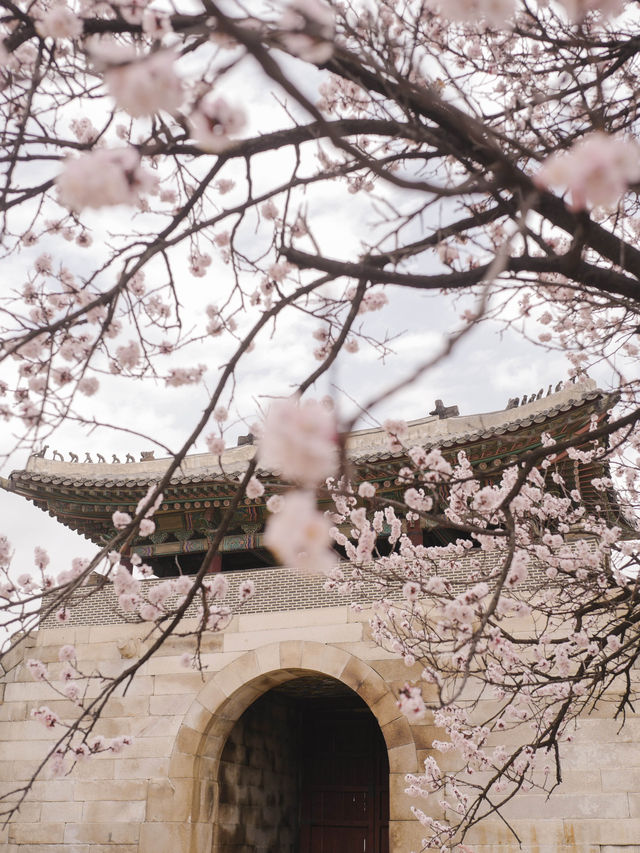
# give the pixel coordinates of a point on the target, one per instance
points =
(443, 411)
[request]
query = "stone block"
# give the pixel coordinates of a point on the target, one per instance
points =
(55, 637)
(101, 833)
(292, 618)
(141, 768)
(31, 691)
(105, 811)
(197, 717)
(117, 789)
(611, 757)
(325, 659)
(36, 833)
(623, 779)
(268, 658)
(142, 685)
(29, 813)
(567, 806)
(533, 834)
(238, 674)
(164, 837)
(169, 705)
(188, 741)
(13, 711)
(402, 759)
(52, 790)
(602, 831)
(290, 654)
(149, 747)
(62, 812)
(169, 800)
(386, 710)
(397, 733)
(400, 803)
(372, 689)
(211, 696)
(341, 633)
(127, 706)
(182, 683)
(113, 633)
(104, 768)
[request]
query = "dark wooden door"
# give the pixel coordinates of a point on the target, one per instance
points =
(345, 784)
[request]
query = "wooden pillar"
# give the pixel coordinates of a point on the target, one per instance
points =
(414, 532)
(216, 564)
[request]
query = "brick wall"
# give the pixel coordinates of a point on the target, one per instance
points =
(277, 588)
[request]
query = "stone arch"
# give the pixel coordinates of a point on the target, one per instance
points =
(181, 809)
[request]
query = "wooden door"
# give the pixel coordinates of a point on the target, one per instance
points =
(344, 784)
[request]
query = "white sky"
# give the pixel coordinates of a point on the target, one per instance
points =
(484, 371)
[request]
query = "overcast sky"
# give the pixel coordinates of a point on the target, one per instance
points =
(484, 371)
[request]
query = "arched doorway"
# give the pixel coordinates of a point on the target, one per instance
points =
(304, 770)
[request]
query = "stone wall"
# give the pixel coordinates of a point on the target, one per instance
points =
(259, 780)
(161, 794)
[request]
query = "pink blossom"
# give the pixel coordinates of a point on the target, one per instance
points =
(59, 22)
(117, 744)
(217, 587)
(596, 171)
(146, 527)
(67, 653)
(215, 444)
(153, 508)
(254, 489)
(71, 691)
(156, 24)
(299, 441)
(5, 551)
(366, 490)
(214, 122)
(44, 264)
(88, 385)
(411, 703)
(146, 86)
(246, 590)
(577, 9)
(275, 503)
(221, 414)
(41, 558)
(128, 355)
(373, 301)
(103, 177)
(299, 535)
(411, 590)
(37, 669)
(120, 520)
(178, 376)
(269, 210)
(308, 27)
(45, 716)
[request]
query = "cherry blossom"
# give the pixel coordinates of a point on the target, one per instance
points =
(146, 86)
(299, 441)
(299, 535)
(59, 22)
(103, 177)
(597, 170)
(214, 122)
